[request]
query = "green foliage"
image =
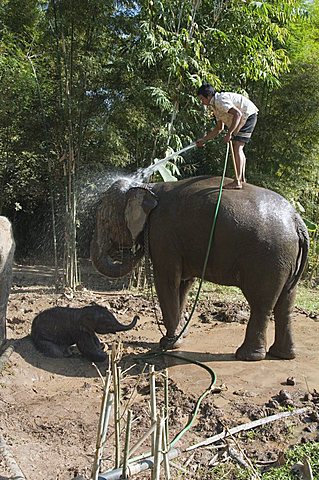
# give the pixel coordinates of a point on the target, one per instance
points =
(115, 84)
(286, 148)
(21, 146)
(310, 450)
(294, 455)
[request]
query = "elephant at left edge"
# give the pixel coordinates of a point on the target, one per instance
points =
(260, 245)
(7, 249)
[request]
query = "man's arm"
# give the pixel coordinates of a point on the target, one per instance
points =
(219, 127)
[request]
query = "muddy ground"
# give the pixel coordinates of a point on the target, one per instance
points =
(50, 407)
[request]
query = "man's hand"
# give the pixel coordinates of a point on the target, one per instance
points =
(227, 137)
(200, 143)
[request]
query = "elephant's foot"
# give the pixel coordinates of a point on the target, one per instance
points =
(98, 356)
(250, 354)
(285, 354)
(169, 343)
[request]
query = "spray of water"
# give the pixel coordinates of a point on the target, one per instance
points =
(89, 191)
(91, 188)
(143, 174)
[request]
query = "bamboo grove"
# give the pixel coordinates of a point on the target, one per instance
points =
(97, 87)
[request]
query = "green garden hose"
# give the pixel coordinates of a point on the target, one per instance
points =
(210, 241)
(208, 369)
(169, 354)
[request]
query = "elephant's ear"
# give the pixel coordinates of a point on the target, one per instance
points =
(140, 201)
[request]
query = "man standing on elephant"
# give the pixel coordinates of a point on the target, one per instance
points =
(239, 114)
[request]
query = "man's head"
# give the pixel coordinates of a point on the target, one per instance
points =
(205, 93)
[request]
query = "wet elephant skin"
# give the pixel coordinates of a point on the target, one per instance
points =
(260, 245)
(54, 330)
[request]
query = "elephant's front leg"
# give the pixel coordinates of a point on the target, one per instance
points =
(167, 286)
(90, 346)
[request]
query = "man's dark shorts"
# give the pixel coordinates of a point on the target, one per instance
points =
(244, 134)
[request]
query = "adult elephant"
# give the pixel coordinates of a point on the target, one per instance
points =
(260, 245)
(7, 248)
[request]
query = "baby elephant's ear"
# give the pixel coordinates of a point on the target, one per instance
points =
(140, 202)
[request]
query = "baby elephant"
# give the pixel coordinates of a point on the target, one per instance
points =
(54, 330)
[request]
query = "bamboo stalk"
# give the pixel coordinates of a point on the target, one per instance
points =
(109, 406)
(117, 421)
(127, 444)
(118, 413)
(99, 443)
(143, 438)
(241, 457)
(247, 426)
(165, 451)
(158, 449)
(130, 399)
(51, 176)
(99, 373)
(119, 377)
(153, 403)
(166, 404)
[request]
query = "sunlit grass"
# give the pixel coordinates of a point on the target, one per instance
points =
(292, 456)
(307, 298)
(218, 293)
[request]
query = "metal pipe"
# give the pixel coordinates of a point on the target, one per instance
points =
(153, 402)
(146, 464)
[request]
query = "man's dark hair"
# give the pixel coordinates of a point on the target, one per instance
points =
(206, 90)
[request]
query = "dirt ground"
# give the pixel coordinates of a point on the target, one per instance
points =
(50, 407)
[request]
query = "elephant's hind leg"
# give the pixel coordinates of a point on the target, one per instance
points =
(254, 346)
(283, 346)
(51, 349)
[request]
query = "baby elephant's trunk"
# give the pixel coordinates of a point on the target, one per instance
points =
(110, 324)
(122, 328)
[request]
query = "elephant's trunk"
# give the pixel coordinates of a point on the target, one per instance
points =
(112, 325)
(123, 328)
(109, 267)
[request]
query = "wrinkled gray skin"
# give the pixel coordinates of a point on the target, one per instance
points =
(54, 330)
(7, 248)
(260, 245)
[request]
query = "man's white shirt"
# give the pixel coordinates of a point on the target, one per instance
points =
(222, 102)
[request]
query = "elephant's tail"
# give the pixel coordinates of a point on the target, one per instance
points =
(302, 254)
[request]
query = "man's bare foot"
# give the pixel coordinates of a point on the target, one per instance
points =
(233, 186)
